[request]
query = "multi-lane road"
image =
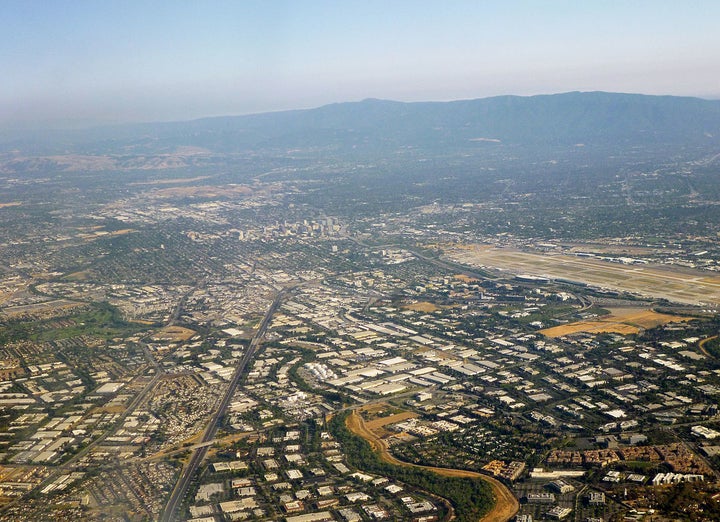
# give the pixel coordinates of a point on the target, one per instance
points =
(170, 512)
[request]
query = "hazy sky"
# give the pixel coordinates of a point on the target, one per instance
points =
(80, 62)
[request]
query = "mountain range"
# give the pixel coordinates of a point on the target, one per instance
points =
(568, 119)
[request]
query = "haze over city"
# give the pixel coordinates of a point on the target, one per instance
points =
(83, 63)
(359, 261)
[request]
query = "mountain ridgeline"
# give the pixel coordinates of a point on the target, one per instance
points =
(569, 119)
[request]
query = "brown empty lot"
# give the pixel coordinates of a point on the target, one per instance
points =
(173, 333)
(422, 306)
(390, 419)
(622, 321)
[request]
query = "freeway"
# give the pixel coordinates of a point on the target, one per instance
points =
(181, 487)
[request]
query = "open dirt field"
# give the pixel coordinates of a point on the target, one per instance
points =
(465, 278)
(122, 232)
(173, 333)
(82, 275)
(114, 408)
(375, 408)
(506, 505)
(422, 306)
(391, 419)
(621, 321)
(686, 286)
(590, 327)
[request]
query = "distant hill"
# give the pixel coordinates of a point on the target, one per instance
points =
(607, 119)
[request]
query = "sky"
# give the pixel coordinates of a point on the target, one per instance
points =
(70, 63)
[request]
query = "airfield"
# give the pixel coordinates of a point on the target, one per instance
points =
(684, 286)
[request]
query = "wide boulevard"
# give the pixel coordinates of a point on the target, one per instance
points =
(199, 453)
